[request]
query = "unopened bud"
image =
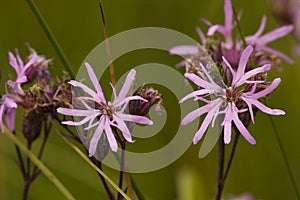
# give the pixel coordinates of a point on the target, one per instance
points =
(31, 126)
(39, 69)
(139, 107)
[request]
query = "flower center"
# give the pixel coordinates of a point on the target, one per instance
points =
(106, 109)
(231, 94)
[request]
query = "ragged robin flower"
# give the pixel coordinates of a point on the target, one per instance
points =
(239, 96)
(225, 44)
(104, 115)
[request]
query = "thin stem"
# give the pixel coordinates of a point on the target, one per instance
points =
(233, 150)
(241, 33)
(96, 162)
(86, 159)
(51, 37)
(221, 154)
(26, 190)
(47, 129)
(108, 52)
(239, 27)
(110, 194)
(40, 164)
(71, 134)
(21, 162)
(28, 159)
(129, 184)
(123, 144)
(285, 158)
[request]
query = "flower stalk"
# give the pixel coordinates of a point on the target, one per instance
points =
(39, 164)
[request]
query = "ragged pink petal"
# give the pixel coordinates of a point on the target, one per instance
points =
(126, 86)
(96, 137)
(95, 82)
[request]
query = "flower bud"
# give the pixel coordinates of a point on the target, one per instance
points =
(39, 69)
(31, 126)
(139, 107)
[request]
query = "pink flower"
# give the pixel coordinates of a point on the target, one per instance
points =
(105, 114)
(17, 63)
(288, 12)
(259, 41)
(8, 108)
(226, 98)
(8, 102)
(229, 46)
(226, 29)
(188, 49)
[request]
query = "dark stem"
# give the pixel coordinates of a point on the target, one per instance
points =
(23, 171)
(221, 155)
(26, 178)
(29, 178)
(71, 134)
(26, 189)
(28, 160)
(285, 158)
(241, 33)
(239, 27)
(233, 150)
(47, 129)
(110, 194)
(21, 162)
(123, 145)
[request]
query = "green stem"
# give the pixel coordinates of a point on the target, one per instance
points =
(39, 164)
(51, 37)
(285, 158)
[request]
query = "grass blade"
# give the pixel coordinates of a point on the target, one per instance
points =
(51, 37)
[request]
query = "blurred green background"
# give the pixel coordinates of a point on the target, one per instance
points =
(258, 169)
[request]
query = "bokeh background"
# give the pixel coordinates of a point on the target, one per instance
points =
(258, 169)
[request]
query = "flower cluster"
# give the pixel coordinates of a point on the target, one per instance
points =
(245, 89)
(234, 78)
(14, 92)
(34, 91)
(231, 47)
